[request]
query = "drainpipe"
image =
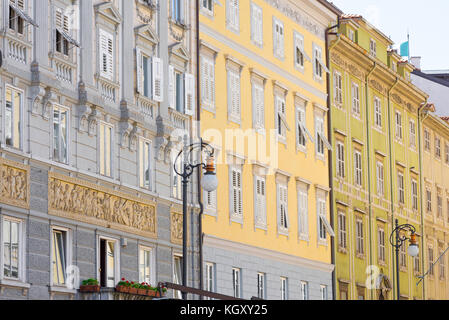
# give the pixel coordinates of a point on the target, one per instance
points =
(370, 211)
(391, 167)
(330, 156)
(198, 118)
(421, 190)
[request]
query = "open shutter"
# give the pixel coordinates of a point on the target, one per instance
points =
(139, 64)
(158, 88)
(204, 81)
(189, 84)
(106, 55)
(171, 86)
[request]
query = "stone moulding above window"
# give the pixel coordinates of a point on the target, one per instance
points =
(108, 11)
(208, 47)
(260, 169)
(233, 62)
(320, 107)
(258, 75)
(146, 33)
(280, 88)
(83, 201)
(301, 99)
(179, 51)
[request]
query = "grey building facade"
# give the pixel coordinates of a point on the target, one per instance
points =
(91, 94)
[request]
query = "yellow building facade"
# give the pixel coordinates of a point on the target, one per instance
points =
(263, 108)
(435, 171)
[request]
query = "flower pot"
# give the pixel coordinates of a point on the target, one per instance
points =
(90, 288)
(151, 293)
(142, 292)
(133, 290)
(123, 289)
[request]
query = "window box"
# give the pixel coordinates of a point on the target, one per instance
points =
(89, 288)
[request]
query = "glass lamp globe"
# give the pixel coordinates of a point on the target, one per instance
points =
(413, 250)
(209, 182)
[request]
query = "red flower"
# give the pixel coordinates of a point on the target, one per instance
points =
(123, 279)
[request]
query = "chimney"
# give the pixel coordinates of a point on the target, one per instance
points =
(416, 61)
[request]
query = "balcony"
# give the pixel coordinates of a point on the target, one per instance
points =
(179, 120)
(107, 89)
(17, 50)
(64, 71)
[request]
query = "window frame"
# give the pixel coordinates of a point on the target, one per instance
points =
(151, 266)
(378, 113)
(68, 137)
(278, 38)
(237, 282)
(21, 250)
(116, 241)
(21, 92)
(68, 252)
(355, 99)
(102, 146)
(141, 167)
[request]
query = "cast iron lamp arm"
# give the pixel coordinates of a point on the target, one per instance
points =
(401, 239)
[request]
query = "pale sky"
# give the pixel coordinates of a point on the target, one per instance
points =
(427, 22)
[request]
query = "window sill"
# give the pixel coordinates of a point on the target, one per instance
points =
(206, 12)
(16, 284)
(304, 237)
(342, 250)
(236, 219)
(322, 242)
(60, 290)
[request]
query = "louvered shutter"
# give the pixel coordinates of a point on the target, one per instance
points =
(211, 83)
(235, 94)
(171, 87)
(235, 14)
(239, 188)
(158, 79)
(259, 24)
(106, 55)
(189, 92)
(139, 76)
(204, 81)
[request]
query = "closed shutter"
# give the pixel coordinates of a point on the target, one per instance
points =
(237, 192)
(189, 84)
(260, 201)
(158, 79)
(234, 83)
(204, 82)
(140, 71)
(235, 14)
(106, 55)
(211, 83)
(171, 87)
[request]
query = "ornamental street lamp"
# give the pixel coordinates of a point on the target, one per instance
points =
(398, 242)
(209, 183)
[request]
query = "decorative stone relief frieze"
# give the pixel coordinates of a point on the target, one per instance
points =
(83, 201)
(337, 59)
(14, 184)
(376, 85)
(176, 227)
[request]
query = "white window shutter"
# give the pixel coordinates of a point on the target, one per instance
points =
(260, 107)
(253, 23)
(171, 86)
(139, 65)
(158, 80)
(211, 83)
(189, 92)
(236, 14)
(204, 81)
(106, 55)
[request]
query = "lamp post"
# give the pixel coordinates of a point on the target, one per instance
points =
(398, 242)
(209, 183)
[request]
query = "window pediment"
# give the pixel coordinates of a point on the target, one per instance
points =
(109, 11)
(147, 33)
(180, 51)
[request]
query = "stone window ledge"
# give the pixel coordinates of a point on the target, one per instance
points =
(16, 284)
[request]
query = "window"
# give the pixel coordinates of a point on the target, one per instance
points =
(402, 257)
(256, 24)
(360, 293)
(442, 266)
(210, 277)
(416, 264)
(323, 292)
(208, 83)
(426, 140)
(208, 5)
(380, 178)
(278, 38)
(437, 147)
(105, 149)
(351, 35)
(260, 202)
(358, 168)
(398, 122)
(60, 134)
(338, 89)
(177, 180)
(412, 134)
(281, 122)
(381, 244)
(414, 195)
(318, 64)
(261, 285)
(13, 118)
(177, 275)
(179, 91)
(233, 17)
(106, 55)
(284, 288)
(360, 247)
(12, 247)
(145, 163)
(340, 159)
(342, 233)
(108, 262)
(430, 257)
(446, 149)
(236, 193)
(236, 282)
(439, 206)
(61, 33)
(210, 198)
(300, 54)
(17, 16)
(145, 265)
(282, 200)
(234, 95)
(303, 212)
(321, 140)
(304, 290)
(258, 105)
(149, 76)
(343, 291)
(401, 194)
(324, 226)
(355, 100)
(373, 48)
(177, 11)
(377, 112)
(60, 256)
(429, 200)
(302, 132)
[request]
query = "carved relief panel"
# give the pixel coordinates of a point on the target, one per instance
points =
(14, 184)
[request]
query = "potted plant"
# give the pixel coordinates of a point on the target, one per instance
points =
(133, 288)
(123, 286)
(143, 289)
(90, 285)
